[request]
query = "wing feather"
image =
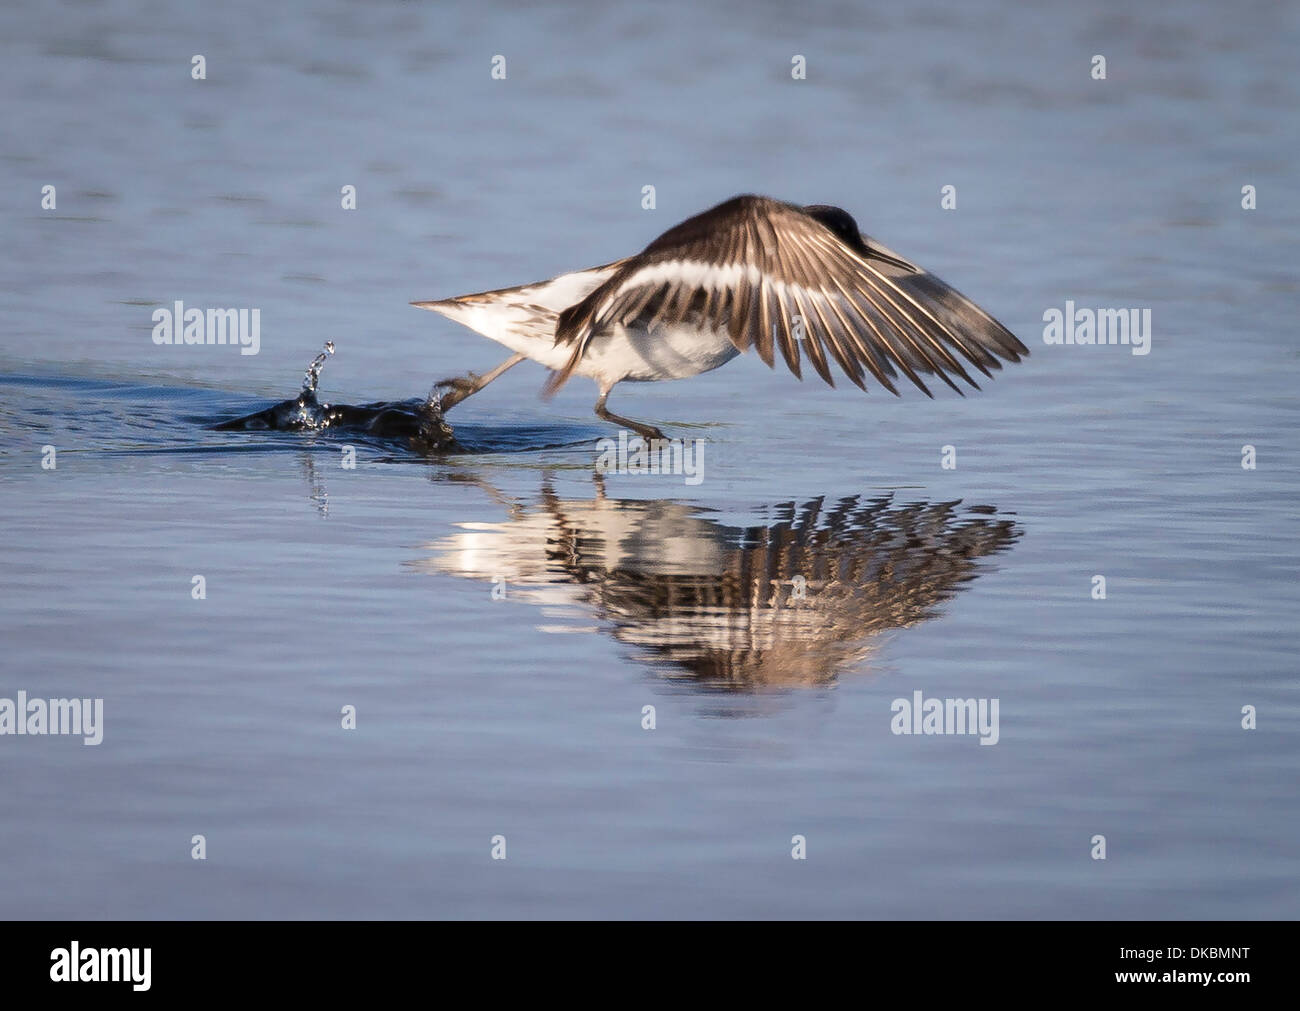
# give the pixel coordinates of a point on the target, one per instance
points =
(752, 266)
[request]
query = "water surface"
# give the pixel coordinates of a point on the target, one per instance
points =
(500, 614)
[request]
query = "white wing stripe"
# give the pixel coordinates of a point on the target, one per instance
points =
(714, 277)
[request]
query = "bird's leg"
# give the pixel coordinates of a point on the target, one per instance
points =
(464, 386)
(647, 432)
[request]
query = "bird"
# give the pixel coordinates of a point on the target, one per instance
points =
(752, 273)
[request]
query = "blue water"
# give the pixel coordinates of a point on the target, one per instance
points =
(500, 615)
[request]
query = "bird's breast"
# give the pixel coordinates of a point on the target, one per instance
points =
(636, 354)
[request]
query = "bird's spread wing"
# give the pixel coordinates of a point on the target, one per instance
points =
(777, 278)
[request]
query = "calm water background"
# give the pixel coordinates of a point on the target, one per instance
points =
(522, 717)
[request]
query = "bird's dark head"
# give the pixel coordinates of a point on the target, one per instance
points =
(840, 222)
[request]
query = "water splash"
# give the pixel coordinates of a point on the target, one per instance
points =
(312, 377)
(419, 425)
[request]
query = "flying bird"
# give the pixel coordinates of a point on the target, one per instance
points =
(752, 272)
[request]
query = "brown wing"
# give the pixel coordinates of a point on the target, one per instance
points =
(777, 278)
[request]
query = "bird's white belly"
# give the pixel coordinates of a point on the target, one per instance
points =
(640, 356)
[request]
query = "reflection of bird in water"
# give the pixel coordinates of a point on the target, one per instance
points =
(792, 601)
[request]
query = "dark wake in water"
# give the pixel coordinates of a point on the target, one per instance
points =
(418, 425)
(85, 415)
